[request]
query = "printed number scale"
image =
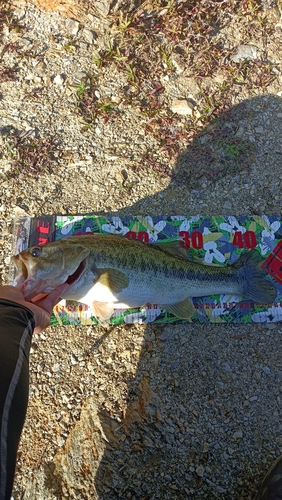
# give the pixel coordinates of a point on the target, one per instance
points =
(211, 240)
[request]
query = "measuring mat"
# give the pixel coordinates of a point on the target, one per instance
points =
(218, 240)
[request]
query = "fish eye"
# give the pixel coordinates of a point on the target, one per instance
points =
(36, 251)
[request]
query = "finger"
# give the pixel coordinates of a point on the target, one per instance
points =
(52, 299)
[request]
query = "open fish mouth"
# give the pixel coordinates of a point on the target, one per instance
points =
(31, 285)
(22, 271)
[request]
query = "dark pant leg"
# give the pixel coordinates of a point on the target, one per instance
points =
(16, 327)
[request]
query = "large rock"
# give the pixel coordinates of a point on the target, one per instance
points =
(72, 472)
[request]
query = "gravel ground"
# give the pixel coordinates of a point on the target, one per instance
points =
(178, 412)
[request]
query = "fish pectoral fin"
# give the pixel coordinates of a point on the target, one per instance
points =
(182, 310)
(113, 279)
(102, 310)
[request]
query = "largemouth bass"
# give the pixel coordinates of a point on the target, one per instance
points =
(110, 271)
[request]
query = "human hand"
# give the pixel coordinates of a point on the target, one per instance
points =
(40, 308)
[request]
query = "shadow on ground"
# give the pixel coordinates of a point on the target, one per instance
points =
(203, 416)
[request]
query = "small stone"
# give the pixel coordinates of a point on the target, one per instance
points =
(206, 447)
(72, 26)
(116, 99)
(29, 76)
(88, 36)
(56, 368)
(80, 75)
(60, 441)
(253, 398)
(167, 477)
(238, 435)
(182, 107)
(227, 205)
(200, 471)
(271, 326)
(177, 63)
(266, 370)
(240, 132)
(219, 489)
(59, 80)
(245, 52)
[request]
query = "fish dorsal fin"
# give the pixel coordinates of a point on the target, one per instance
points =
(174, 248)
(113, 279)
(182, 310)
(102, 310)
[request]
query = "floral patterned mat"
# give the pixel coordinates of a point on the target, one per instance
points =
(216, 240)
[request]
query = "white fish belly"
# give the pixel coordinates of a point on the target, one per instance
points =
(135, 295)
(144, 289)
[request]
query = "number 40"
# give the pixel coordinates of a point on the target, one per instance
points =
(247, 239)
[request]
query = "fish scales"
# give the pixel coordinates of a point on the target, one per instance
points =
(110, 271)
(156, 262)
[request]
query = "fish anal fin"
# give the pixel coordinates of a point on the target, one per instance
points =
(182, 310)
(102, 310)
(113, 279)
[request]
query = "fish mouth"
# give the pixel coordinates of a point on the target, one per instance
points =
(32, 286)
(22, 271)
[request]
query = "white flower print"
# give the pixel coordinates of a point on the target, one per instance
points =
(268, 235)
(116, 227)
(271, 315)
(186, 224)
(68, 225)
(154, 229)
(232, 226)
(212, 251)
(146, 315)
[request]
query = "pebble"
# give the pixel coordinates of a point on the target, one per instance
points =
(227, 205)
(245, 51)
(88, 36)
(72, 26)
(59, 79)
(200, 471)
(182, 107)
(238, 435)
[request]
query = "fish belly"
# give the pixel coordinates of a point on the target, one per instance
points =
(144, 288)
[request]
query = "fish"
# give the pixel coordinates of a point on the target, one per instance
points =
(110, 272)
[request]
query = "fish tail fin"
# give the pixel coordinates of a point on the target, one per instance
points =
(252, 278)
